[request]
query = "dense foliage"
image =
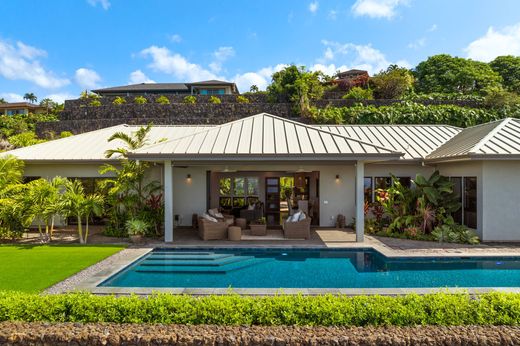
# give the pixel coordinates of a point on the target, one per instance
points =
(392, 83)
(412, 113)
(508, 67)
(327, 310)
(359, 94)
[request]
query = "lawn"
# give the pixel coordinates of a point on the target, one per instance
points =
(34, 268)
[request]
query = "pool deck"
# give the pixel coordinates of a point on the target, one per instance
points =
(90, 278)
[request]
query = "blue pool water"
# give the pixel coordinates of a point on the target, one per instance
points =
(311, 268)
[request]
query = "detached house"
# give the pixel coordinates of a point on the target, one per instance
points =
(334, 167)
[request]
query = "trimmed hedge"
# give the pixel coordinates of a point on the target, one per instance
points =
(327, 310)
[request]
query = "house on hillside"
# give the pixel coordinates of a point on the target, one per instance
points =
(209, 87)
(336, 168)
(352, 78)
(20, 108)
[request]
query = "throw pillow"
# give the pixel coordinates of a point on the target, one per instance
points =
(302, 216)
(209, 218)
(213, 212)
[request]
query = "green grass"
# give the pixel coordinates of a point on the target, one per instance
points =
(33, 268)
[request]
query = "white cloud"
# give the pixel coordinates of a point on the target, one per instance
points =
(61, 97)
(260, 78)
(417, 43)
(87, 78)
(165, 61)
(20, 62)
(176, 38)
(138, 77)
(221, 55)
(105, 4)
(350, 55)
(494, 43)
(433, 28)
(376, 8)
(313, 6)
(12, 97)
(333, 15)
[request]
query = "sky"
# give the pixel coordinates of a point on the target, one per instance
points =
(58, 48)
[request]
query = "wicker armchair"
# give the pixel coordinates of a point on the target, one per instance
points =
(209, 230)
(297, 230)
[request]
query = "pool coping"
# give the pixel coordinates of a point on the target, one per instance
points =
(92, 282)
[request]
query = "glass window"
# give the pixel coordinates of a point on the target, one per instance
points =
(382, 183)
(225, 202)
(239, 202)
(405, 181)
(368, 189)
(457, 190)
(239, 186)
(470, 202)
(252, 186)
(225, 186)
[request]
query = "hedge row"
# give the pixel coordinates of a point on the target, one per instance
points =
(327, 310)
(412, 113)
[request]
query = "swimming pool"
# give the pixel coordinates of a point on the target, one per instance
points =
(311, 268)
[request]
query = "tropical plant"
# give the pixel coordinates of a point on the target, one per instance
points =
(190, 99)
(392, 83)
(119, 100)
(253, 89)
(508, 67)
(242, 99)
(95, 103)
(359, 94)
(136, 227)
(140, 100)
(65, 134)
(30, 97)
(215, 100)
(24, 139)
(162, 100)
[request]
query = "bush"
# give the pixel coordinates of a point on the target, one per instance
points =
(136, 227)
(327, 310)
(359, 94)
(162, 100)
(119, 101)
(190, 99)
(140, 100)
(215, 100)
(65, 134)
(95, 103)
(242, 99)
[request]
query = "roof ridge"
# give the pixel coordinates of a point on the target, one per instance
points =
(491, 134)
(388, 125)
(263, 114)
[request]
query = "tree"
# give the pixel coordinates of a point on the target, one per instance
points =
(508, 67)
(30, 97)
(2, 100)
(392, 83)
(359, 94)
(297, 85)
(13, 214)
(49, 105)
(253, 89)
(447, 74)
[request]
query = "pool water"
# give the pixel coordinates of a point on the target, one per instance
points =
(311, 268)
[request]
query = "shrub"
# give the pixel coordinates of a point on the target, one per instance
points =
(215, 100)
(190, 99)
(242, 99)
(65, 134)
(162, 100)
(327, 310)
(359, 94)
(95, 103)
(119, 100)
(136, 227)
(140, 100)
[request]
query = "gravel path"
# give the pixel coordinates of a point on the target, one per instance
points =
(72, 281)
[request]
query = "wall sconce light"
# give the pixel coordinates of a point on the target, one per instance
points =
(337, 177)
(188, 178)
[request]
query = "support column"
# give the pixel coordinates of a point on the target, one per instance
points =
(168, 202)
(360, 202)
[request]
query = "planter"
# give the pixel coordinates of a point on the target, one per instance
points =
(258, 229)
(136, 239)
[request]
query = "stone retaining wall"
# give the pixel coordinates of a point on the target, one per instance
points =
(17, 333)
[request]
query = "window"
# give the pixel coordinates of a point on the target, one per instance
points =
(457, 190)
(367, 183)
(237, 192)
(470, 202)
(212, 91)
(382, 183)
(405, 181)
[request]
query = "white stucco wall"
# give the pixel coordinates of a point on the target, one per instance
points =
(189, 196)
(501, 191)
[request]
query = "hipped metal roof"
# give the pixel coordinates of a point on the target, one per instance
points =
(265, 136)
(496, 140)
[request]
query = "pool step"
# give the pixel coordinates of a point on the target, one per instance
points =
(198, 262)
(194, 257)
(181, 253)
(200, 269)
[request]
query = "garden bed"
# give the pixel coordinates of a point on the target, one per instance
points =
(146, 334)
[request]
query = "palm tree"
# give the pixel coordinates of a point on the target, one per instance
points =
(93, 205)
(48, 104)
(134, 141)
(30, 97)
(2, 100)
(73, 203)
(11, 171)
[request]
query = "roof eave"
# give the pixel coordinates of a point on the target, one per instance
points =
(265, 157)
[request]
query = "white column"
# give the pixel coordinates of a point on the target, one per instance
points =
(168, 202)
(360, 202)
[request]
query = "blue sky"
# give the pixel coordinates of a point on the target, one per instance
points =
(57, 48)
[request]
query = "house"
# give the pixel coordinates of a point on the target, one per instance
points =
(333, 168)
(209, 87)
(351, 78)
(20, 108)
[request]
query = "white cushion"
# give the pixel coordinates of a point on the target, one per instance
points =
(209, 218)
(295, 217)
(213, 212)
(251, 207)
(302, 216)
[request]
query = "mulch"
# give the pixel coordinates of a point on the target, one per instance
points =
(40, 333)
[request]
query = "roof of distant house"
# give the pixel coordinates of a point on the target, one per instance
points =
(143, 87)
(20, 105)
(352, 72)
